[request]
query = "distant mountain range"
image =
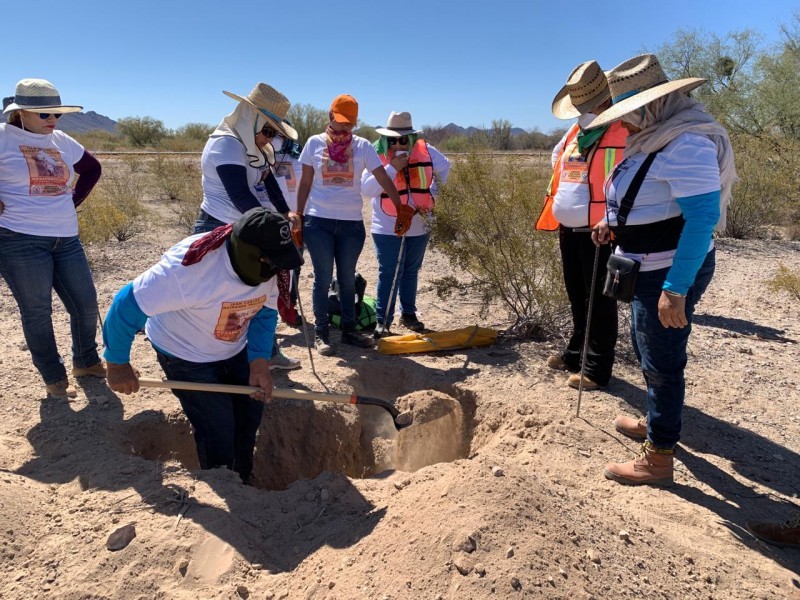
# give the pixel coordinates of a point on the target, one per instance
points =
(83, 122)
(452, 129)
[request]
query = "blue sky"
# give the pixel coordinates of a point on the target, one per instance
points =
(467, 62)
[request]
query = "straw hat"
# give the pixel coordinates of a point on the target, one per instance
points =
(270, 103)
(398, 125)
(38, 95)
(639, 81)
(586, 89)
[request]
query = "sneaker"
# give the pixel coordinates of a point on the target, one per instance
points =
(286, 363)
(61, 390)
(557, 363)
(786, 534)
(358, 339)
(381, 330)
(410, 321)
(634, 428)
(97, 370)
(574, 381)
(322, 344)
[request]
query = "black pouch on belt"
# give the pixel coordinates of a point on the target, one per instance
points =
(621, 277)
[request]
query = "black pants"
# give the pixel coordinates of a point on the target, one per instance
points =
(577, 257)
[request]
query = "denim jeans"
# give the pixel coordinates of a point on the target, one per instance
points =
(225, 425)
(387, 248)
(332, 241)
(662, 351)
(205, 223)
(33, 266)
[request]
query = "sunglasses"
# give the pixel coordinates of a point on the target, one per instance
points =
(45, 116)
(403, 139)
(269, 132)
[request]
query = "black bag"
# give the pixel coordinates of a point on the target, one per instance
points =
(364, 305)
(621, 277)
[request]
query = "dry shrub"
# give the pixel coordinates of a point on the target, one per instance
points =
(485, 218)
(786, 280)
(766, 191)
(178, 182)
(114, 210)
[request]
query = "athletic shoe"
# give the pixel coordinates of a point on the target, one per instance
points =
(283, 362)
(322, 344)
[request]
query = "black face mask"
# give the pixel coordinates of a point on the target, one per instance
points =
(245, 259)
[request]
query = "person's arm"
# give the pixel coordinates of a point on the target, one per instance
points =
(276, 194)
(89, 170)
(260, 337)
(234, 180)
(441, 169)
(304, 188)
(370, 186)
(123, 320)
(388, 186)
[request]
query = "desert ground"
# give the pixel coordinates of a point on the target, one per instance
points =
(496, 491)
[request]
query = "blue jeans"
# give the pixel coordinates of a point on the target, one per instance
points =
(205, 223)
(332, 241)
(661, 351)
(33, 266)
(225, 425)
(387, 247)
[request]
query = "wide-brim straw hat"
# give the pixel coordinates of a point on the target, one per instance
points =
(637, 82)
(397, 125)
(38, 95)
(270, 103)
(585, 90)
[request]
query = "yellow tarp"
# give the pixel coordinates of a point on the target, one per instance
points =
(456, 339)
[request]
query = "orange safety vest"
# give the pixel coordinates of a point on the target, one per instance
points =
(415, 181)
(606, 154)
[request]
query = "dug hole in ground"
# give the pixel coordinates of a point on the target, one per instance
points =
(496, 491)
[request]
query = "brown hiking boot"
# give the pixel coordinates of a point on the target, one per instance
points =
(98, 370)
(61, 390)
(780, 534)
(634, 428)
(574, 381)
(557, 363)
(653, 466)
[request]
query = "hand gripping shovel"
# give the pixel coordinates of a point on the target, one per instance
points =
(400, 420)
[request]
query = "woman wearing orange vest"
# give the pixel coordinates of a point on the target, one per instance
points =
(575, 201)
(416, 167)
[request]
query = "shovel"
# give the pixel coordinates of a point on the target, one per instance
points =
(400, 420)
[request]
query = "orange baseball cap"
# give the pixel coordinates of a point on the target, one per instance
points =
(345, 109)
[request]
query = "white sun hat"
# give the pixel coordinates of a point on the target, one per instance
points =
(398, 125)
(270, 103)
(38, 95)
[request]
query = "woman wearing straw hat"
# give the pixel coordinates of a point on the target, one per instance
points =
(237, 175)
(667, 227)
(416, 167)
(575, 201)
(329, 198)
(39, 246)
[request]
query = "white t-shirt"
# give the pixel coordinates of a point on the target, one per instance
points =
(36, 174)
(571, 202)
(199, 313)
(336, 189)
(382, 223)
(288, 172)
(687, 166)
(227, 150)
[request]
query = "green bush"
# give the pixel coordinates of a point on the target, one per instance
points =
(786, 280)
(113, 210)
(142, 131)
(178, 182)
(484, 224)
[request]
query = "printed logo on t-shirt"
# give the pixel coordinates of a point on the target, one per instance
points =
(286, 171)
(234, 318)
(48, 171)
(334, 173)
(575, 169)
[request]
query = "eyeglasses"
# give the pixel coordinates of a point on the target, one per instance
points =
(268, 131)
(403, 139)
(45, 116)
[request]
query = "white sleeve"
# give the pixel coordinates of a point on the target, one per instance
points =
(558, 149)
(371, 158)
(158, 290)
(307, 155)
(226, 150)
(370, 186)
(690, 166)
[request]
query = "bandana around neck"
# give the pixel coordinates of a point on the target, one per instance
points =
(339, 144)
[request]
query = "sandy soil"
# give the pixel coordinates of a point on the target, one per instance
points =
(495, 492)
